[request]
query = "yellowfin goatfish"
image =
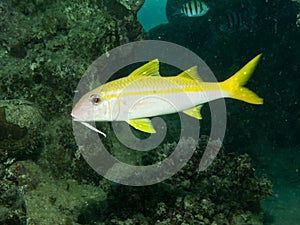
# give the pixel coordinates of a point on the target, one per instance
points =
(144, 93)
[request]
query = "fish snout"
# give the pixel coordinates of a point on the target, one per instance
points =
(78, 114)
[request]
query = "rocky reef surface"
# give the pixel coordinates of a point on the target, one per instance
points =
(45, 48)
(228, 192)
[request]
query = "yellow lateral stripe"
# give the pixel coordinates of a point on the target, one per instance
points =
(153, 92)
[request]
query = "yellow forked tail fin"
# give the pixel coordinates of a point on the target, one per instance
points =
(234, 85)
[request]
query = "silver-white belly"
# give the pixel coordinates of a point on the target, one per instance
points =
(132, 107)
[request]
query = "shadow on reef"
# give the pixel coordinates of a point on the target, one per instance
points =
(228, 192)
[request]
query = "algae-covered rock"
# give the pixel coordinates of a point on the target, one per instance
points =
(60, 154)
(12, 205)
(30, 195)
(132, 5)
(228, 193)
(20, 130)
(46, 46)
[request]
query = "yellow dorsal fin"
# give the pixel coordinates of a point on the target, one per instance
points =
(194, 112)
(149, 69)
(191, 73)
(144, 125)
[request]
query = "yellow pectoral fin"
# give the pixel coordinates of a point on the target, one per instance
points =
(194, 112)
(144, 125)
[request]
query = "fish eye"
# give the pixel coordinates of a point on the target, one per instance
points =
(95, 99)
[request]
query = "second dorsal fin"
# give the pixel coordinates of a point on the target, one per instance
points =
(149, 69)
(191, 73)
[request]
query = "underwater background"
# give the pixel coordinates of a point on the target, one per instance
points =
(46, 47)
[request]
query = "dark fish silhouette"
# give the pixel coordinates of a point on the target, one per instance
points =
(236, 21)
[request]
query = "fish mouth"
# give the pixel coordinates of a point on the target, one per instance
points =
(76, 118)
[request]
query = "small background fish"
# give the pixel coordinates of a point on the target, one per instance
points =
(194, 8)
(178, 9)
(237, 21)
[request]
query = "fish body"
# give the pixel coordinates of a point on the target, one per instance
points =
(236, 21)
(194, 8)
(144, 93)
(176, 9)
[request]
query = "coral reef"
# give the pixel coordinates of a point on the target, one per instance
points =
(31, 195)
(46, 46)
(228, 192)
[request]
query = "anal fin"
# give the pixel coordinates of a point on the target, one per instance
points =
(144, 125)
(194, 112)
